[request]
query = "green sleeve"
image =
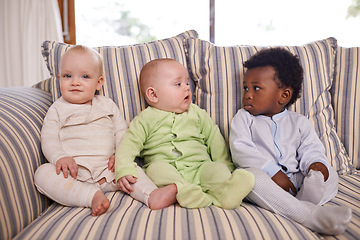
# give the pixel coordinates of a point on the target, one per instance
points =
(130, 147)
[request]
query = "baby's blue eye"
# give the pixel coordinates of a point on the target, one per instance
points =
(86, 76)
(67, 76)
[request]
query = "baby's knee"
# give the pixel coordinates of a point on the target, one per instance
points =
(331, 186)
(333, 177)
(213, 168)
(331, 183)
(214, 172)
(43, 171)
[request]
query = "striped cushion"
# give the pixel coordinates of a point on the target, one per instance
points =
(348, 195)
(346, 100)
(44, 85)
(218, 74)
(129, 219)
(21, 115)
(122, 67)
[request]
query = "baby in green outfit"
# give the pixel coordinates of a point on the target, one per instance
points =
(181, 146)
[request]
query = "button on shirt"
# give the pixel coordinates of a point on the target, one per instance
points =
(185, 140)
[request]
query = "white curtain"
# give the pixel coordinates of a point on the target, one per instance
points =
(24, 25)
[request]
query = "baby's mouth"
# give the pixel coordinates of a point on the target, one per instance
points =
(247, 107)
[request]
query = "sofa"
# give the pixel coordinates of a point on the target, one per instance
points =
(329, 99)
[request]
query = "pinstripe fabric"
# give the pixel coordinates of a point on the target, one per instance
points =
(129, 219)
(349, 195)
(122, 67)
(346, 100)
(44, 85)
(21, 115)
(218, 74)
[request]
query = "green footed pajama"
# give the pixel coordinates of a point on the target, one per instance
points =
(210, 183)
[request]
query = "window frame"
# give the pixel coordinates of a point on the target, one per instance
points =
(70, 34)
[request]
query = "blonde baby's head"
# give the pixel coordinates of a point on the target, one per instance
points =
(165, 85)
(81, 70)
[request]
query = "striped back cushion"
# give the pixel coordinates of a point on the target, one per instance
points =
(122, 67)
(44, 85)
(22, 113)
(218, 74)
(346, 101)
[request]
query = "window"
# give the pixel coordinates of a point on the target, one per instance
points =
(285, 22)
(257, 22)
(122, 22)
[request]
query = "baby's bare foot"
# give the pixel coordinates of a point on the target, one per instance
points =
(99, 204)
(162, 197)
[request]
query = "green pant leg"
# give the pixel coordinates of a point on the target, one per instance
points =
(189, 195)
(226, 189)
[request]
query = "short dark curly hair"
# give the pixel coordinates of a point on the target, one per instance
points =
(288, 69)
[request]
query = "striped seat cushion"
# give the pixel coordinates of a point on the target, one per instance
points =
(346, 100)
(130, 219)
(22, 111)
(218, 73)
(122, 67)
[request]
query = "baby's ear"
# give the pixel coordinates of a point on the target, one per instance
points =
(285, 96)
(151, 95)
(100, 82)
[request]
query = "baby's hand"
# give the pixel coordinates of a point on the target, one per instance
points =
(111, 163)
(124, 183)
(318, 166)
(67, 164)
(281, 179)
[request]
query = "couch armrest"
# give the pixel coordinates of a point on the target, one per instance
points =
(346, 101)
(22, 111)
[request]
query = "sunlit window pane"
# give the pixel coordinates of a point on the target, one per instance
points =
(122, 22)
(257, 22)
(285, 22)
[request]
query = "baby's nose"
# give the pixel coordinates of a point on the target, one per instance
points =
(75, 81)
(248, 95)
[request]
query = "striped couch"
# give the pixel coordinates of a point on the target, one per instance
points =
(329, 100)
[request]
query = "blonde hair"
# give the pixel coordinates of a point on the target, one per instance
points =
(84, 49)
